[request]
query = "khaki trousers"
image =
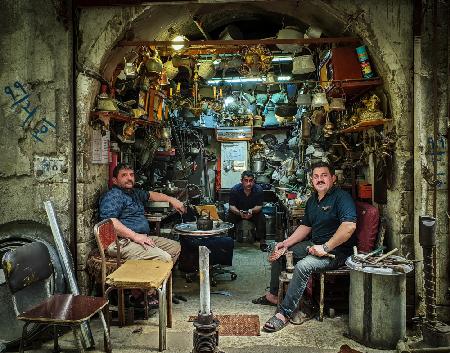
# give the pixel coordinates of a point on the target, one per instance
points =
(164, 249)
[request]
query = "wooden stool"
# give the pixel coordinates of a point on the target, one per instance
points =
(284, 279)
(145, 275)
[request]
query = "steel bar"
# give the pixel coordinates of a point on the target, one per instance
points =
(205, 299)
(68, 270)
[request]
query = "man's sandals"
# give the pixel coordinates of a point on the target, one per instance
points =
(263, 301)
(274, 324)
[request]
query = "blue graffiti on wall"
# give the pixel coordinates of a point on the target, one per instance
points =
(21, 103)
(441, 147)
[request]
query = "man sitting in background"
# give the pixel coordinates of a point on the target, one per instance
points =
(246, 200)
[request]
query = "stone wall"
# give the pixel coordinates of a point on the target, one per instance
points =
(35, 113)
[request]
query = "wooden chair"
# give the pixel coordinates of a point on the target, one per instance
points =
(367, 229)
(135, 274)
(31, 264)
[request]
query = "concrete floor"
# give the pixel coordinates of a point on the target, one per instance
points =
(253, 271)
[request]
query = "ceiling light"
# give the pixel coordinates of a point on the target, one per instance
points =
(281, 58)
(178, 38)
(215, 81)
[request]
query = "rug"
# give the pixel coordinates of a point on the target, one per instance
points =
(236, 325)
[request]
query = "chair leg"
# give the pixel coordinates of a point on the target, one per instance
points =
(162, 316)
(75, 331)
(56, 347)
(169, 301)
(107, 338)
(22, 340)
(121, 307)
(321, 296)
(145, 304)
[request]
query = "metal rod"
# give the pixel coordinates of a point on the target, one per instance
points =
(205, 308)
(386, 255)
(240, 42)
(67, 264)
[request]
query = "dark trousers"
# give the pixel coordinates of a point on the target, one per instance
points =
(257, 219)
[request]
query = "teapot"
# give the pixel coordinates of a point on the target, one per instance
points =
(204, 222)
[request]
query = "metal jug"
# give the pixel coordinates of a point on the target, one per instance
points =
(269, 114)
(319, 99)
(289, 32)
(207, 70)
(171, 70)
(337, 104)
(303, 99)
(204, 222)
(303, 64)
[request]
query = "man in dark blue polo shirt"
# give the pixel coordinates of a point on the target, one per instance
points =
(246, 201)
(327, 228)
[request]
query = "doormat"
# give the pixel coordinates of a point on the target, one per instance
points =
(236, 325)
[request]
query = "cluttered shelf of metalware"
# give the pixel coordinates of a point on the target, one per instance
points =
(106, 116)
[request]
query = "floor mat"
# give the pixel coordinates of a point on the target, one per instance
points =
(236, 325)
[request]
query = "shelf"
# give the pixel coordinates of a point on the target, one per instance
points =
(365, 125)
(352, 88)
(121, 117)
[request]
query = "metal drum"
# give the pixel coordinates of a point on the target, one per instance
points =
(216, 240)
(270, 226)
(377, 305)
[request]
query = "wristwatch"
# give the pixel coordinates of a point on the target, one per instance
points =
(325, 247)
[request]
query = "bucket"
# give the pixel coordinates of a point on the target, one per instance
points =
(377, 305)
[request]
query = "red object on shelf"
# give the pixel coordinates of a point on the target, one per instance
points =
(291, 195)
(165, 153)
(113, 161)
(364, 190)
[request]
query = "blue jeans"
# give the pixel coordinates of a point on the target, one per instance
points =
(305, 266)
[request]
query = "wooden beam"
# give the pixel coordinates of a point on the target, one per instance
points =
(230, 43)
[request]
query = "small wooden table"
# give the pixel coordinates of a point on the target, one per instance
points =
(145, 275)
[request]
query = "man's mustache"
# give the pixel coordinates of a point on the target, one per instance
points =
(320, 182)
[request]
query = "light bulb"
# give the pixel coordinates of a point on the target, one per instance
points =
(178, 39)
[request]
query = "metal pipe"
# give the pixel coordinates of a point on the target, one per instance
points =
(427, 240)
(203, 259)
(67, 264)
(434, 100)
(200, 28)
(419, 159)
(448, 154)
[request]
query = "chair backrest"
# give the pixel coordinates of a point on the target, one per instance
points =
(105, 235)
(366, 226)
(27, 265)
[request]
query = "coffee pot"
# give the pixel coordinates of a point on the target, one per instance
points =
(204, 222)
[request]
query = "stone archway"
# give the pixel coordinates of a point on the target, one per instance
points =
(101, 29)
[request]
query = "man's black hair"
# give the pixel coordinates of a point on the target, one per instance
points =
(323, 165)
(248, 174)
(119, 167)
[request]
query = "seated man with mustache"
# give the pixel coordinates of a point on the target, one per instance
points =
(327, 228)
(125, 206)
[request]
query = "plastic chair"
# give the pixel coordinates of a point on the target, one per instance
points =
(31, 265)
